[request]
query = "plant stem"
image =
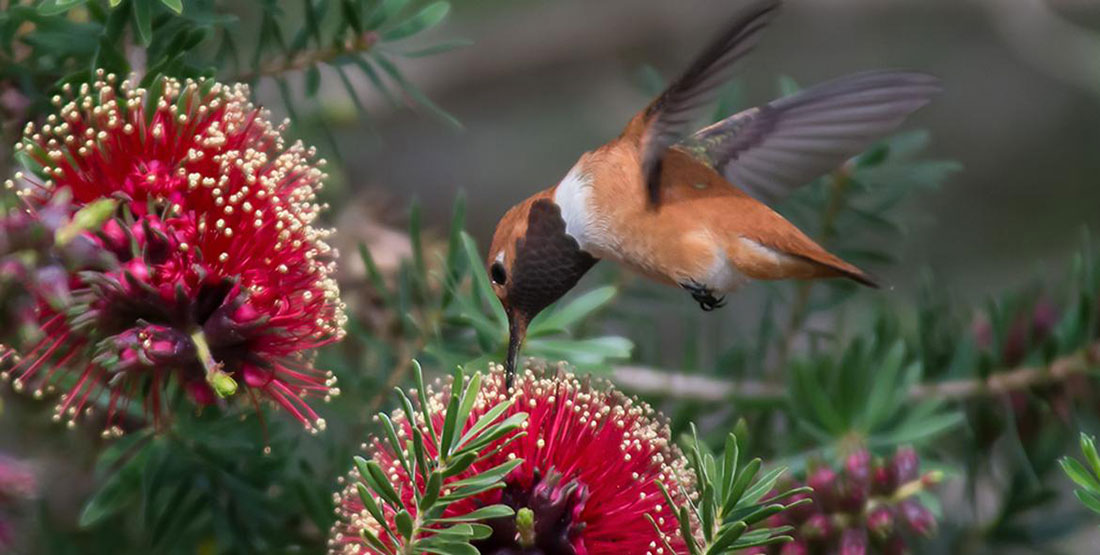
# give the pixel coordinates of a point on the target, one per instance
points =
(644, 380)
(306, 58)
(222, 383)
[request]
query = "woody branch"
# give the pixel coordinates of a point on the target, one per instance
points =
(640, 379)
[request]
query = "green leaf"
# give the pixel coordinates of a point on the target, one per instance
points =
(143, 20)
(382, 12)
(1077, 472)
(431, 491)
(429, 17)
(174, 5)
(377, 480)
(1089, 499)
(55, 7)
(482, 514)
(404, 523)
(494, 474)
(114, 495)
(313, 80)
(415, 94)
(481, 280)
(1088, 447)
(562, 317)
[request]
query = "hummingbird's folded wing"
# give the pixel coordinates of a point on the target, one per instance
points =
(772, 149)
(665, 121)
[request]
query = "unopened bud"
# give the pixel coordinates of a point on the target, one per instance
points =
(224, 384)
(917, 517)
(525, 527)
(853, 542)
(881, 521)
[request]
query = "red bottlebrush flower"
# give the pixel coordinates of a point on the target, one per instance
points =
(593, 459)
(208, 270)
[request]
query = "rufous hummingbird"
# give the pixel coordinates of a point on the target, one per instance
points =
(688, 210)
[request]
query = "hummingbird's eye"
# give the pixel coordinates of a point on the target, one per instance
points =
(496, 271)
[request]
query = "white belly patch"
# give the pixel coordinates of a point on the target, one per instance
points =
(572, 197)
(723, 276)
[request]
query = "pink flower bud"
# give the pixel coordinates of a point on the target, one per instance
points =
(816, 527)
(905, 465)
(880, 522)
(918, 518)
(853, 541)
(894, 545)
(858, 467)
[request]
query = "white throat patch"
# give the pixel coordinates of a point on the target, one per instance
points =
(572, 197)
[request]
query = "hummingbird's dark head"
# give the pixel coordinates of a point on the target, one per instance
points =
(532, 262)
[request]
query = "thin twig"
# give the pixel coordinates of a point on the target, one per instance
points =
(307, 58)
(639, 379)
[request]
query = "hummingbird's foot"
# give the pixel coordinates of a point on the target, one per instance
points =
(704, 296)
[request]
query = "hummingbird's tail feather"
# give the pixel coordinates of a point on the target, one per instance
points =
(836, 267)
(790, 254)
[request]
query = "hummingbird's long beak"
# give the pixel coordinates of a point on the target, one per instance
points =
(517, 331)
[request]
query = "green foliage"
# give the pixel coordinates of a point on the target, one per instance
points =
(419, 526)
(862, 398)
(66, 41)
(732, 499)
(1086, 478)
(204, 481)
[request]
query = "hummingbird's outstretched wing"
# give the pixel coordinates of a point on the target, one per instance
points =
(664, 122)
(772, 149)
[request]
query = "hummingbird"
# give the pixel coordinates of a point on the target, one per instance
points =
(690, 209)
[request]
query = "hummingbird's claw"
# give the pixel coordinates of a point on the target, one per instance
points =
(704, 296)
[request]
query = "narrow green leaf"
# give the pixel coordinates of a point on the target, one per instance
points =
(1088, 499)
(1077, 472)
(422, 394)
(744, 478)
(404, 523)
(484, 513)
(1088, 447)
(429, 17)
(382, 12)
(313, 80)
(431, 491)
(492, 475)
(450, 419)
(378, 481)
(55, 7)
(415, 94)
(561, 318)
(143, 20)
(174, 5)
(490, 416)
(368, 501)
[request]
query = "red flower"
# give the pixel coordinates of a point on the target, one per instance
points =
(215, 274)
(593, 459)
